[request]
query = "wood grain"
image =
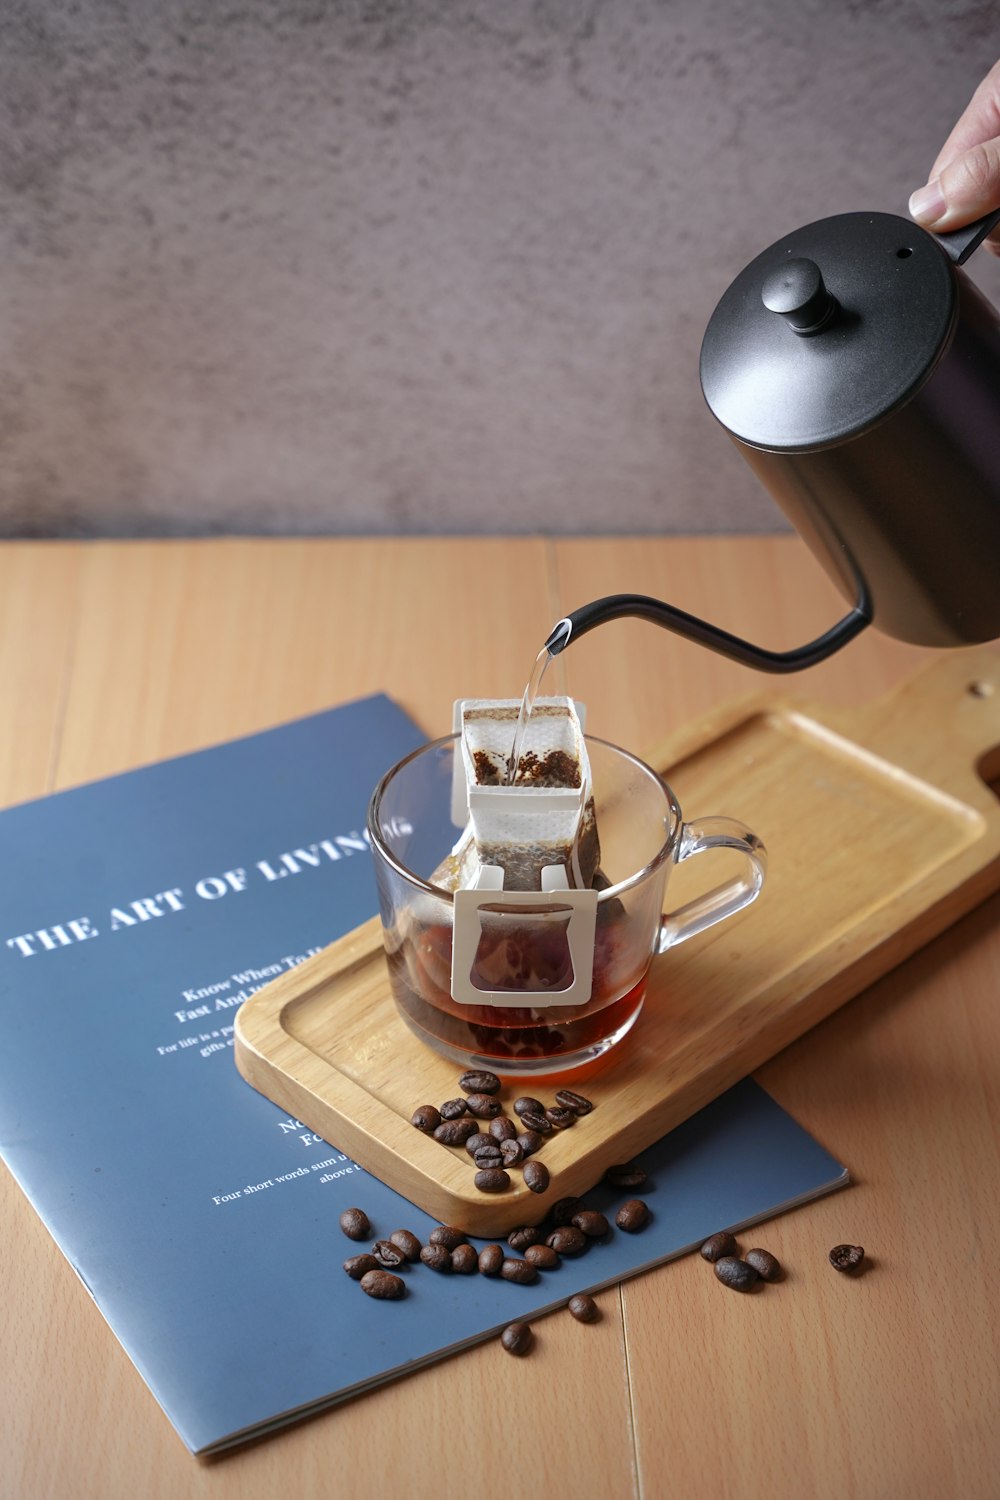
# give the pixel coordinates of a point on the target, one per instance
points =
(821, 1386)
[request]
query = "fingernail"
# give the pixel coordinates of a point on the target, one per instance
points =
(927, 203)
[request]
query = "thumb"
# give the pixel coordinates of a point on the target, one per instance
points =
(966, 189)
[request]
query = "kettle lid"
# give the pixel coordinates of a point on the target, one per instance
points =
(827, 331)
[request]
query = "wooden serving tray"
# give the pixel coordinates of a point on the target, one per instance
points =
(881, 830)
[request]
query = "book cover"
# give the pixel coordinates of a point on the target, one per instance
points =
(137, 914)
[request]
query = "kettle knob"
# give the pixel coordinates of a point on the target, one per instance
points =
(797, 291)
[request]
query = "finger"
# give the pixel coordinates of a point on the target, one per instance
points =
(967, 188)
(980, 121)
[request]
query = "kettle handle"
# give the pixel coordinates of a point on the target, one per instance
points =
(958, 244)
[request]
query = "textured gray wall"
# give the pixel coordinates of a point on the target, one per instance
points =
(379, 266)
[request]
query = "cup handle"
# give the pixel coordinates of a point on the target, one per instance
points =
(723, 900)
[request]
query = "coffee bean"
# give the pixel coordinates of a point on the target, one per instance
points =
(357, 1265)
(491, 1258)
(511, 1153)
(718, 1245)
(594, 1225)
(527, 1234)
(533, 1106)
(536, 1176)
(529, 1141)
(448, 1236)
(626, 1175)
(520, 1271)
(563, 1209)
(479, 1083)
(488, 1157)
(383, 1284)
(453, 1109)
(455, 1132)
(354, 1223)
(438, 1257)
(476, 1142)
(407, 1242)
(502, 1128)
(576, 1102)
(846, 1257)
(633, 1216)
(568, 1240)
(584, 1308)
(387, 1254)
(426, 1118)
(764, 1263)
(561, 1118)
(492, 1180)
(735, 1273)
(464, 1260)
(542, 1256)
(484, 1106)
(517, 1338)
(534, 1119)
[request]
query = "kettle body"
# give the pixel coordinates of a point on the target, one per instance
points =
(899, 499)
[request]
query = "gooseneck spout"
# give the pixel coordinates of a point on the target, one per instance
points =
(642, 607)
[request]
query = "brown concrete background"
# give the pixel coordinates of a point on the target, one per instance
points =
(379, 266)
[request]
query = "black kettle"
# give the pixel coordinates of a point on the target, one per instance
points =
(857, 370)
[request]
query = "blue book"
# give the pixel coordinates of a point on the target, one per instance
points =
(138, 913)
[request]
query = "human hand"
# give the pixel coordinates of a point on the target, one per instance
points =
(964, 182)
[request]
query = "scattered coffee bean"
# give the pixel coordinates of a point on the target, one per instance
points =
(735, 1273)
(511, 1153)
(438, 1257)
(483, 1106)
(527, 1234)
(536, 1176)
(488, 1157)
(521, 1271)
(542, 1256)
(584, 1308)
(567, 1240)
(491, 1258)
(633, 1216)
(492, 1180)
(383, 1284)
(476, 1142)
(388, 1255)
(529, 1141)
(453, 1109)
(407, 1242)
(561, 1118)
(354, 1223)
(455, 1132)
(357, 1265)
(627, 1174)
(534, 1119)
(464, 1260)
(533, 1106)
(517, 1338)
(594, 1225)
(448, 1236)
(846, 1257)
(426, 1118)
(479, 1083)
(502, 1128)
(563, 1209)
(766, 1265)
(718, 1245)
(576, 1102)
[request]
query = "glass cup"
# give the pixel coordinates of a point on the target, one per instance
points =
(528, 999)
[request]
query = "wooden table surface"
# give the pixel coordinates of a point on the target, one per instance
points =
(116, 654)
